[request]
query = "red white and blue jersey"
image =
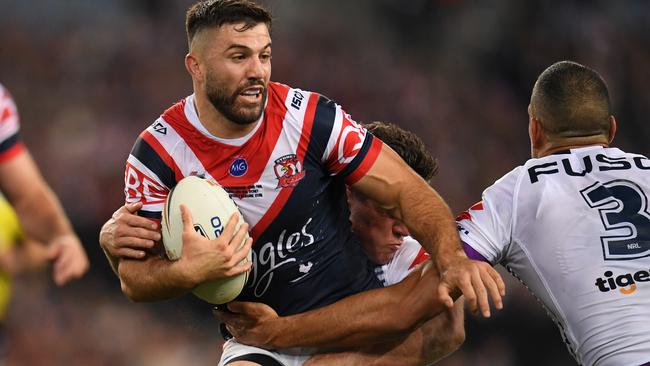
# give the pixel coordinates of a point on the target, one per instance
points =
(287, 176)
(10, 143)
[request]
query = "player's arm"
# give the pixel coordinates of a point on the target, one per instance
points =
(27, 256)
(42, 216)
(406, 196)
(366, 318)
(155, 278)
(127, 235)
(431, 342)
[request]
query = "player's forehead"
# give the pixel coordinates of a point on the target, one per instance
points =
(234, 36)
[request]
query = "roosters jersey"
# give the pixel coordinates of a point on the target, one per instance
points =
(10, 143)
(287, 176)
(575, 229)
(409, 255)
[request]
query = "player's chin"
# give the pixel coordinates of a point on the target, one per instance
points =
(249, 113)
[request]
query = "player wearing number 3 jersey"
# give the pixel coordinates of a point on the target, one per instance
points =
(573, 223)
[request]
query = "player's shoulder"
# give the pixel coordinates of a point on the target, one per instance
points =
(283, 99)
(508, 183)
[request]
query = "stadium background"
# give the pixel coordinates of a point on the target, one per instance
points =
(89, 75)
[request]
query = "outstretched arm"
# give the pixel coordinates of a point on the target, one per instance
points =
(366, 318)
(407, 197)
(434, 340)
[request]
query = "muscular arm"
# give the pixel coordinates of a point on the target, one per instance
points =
(406, 196)
(155, 278)
(362, 319)
(429, 343)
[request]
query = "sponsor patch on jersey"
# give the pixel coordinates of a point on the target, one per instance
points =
(625, 283)
(288, 170)
(238, 168)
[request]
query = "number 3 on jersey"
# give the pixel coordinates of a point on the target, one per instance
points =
(623, 207)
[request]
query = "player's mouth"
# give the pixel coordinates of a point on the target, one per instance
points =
(252, 94)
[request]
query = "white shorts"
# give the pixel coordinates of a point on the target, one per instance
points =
(234, 351)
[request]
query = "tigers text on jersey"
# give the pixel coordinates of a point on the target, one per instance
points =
(574, 227)
(287, 176)
(10, 143)
(409, 255)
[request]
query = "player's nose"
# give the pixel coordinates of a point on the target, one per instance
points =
(255, 69)
(400, 230)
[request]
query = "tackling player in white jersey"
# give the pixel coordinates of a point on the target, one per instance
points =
(573, 222)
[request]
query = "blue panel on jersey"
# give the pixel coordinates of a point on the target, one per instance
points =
(148, 156)
(9, 142)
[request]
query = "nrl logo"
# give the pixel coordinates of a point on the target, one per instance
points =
(289, 171)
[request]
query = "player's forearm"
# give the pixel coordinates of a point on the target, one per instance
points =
(152, 279)
(430, 221)
(434, 340)
(406, 196)
(41, 214)
(363, 319)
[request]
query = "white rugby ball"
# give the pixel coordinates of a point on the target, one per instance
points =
(211, 208)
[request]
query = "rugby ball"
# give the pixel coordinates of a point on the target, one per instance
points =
(211, 208)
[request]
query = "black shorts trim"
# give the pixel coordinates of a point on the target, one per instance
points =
(260, 358)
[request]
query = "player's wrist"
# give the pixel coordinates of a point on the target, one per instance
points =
(185, 276)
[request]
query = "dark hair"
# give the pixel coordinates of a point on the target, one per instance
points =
(407, 145)
(215, 13)
(571, 100)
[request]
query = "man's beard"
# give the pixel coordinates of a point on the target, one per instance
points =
(225, 103)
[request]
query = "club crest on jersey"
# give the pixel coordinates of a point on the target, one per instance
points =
(238, 168)
(289, 171)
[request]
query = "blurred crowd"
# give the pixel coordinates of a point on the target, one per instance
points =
(89, 75)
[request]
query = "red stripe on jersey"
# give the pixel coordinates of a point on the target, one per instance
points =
(164, 155)
(12, 152)
(284, 195)
(256, 151)
(367, 163)
(421, 257)
(6, 113)
(466, 215)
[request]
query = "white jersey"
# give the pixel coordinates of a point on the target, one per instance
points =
(407, 257)
(575, 229)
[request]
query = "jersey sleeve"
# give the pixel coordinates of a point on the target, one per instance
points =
(486, 228)
(148, 178)
(10, 142)
(350, 150)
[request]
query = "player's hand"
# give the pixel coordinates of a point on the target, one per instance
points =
(68, 257)
(249, 322)
(127, 235)
(477, 280)
(205, 260)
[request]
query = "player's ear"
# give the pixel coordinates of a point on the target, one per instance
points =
(612, 129)
(192, 66)
(536, 133)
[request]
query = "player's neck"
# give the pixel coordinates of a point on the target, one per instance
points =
(569, 143)
(216, 123)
